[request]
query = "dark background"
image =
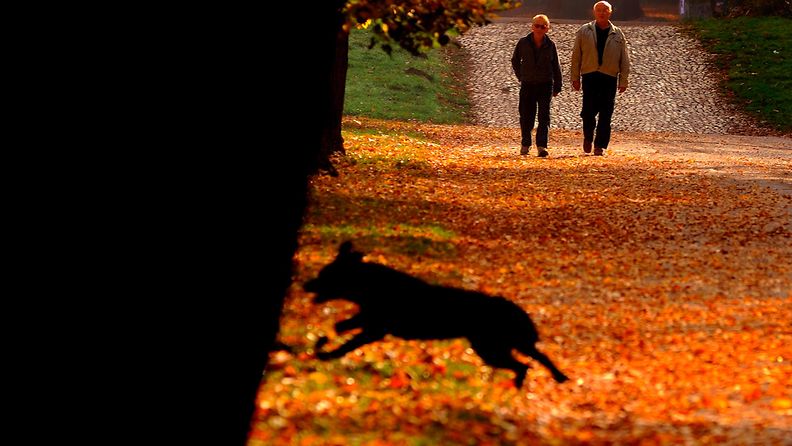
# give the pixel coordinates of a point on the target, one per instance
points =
(645, 10)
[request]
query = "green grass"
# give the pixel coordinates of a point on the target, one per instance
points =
(755, 54)
(402, 86)
(380, 131)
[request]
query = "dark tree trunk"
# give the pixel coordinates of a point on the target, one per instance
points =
(332, 141)
(258, 332)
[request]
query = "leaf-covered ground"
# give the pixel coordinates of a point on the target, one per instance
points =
(659, 278)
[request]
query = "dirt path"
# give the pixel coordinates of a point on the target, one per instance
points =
(765, 160)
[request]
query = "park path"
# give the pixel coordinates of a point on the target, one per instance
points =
(672, 87)
(671, 110)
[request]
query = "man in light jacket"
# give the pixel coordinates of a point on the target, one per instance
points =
(601, 58)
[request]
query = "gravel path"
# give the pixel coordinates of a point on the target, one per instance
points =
(672, 89)
(672, 109)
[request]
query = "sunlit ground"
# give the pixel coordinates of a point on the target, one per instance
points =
(663, 291)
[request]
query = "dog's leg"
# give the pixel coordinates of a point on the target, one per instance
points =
(545, 361)
(361, 339)
(500, 358)
(520, 371)
(352, 323)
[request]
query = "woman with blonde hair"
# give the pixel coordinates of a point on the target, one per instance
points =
(535, 63)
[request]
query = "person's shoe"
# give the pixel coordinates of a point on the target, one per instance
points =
(542, 152)
(586, 146)
(598, 151)
(524, 150)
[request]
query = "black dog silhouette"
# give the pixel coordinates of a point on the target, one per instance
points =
(392, 302)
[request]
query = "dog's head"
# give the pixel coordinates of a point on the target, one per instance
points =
(336, 277)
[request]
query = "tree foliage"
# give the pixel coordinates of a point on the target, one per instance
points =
(417, 25)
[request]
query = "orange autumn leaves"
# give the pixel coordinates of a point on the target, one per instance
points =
(664, 293)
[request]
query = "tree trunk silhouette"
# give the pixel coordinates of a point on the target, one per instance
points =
(332, 141)
(259, 331)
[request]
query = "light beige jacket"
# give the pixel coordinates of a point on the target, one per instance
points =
(615, 58)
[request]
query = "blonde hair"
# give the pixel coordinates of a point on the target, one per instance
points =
(541, 16)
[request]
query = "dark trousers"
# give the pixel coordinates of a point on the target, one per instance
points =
(532, 95)
(599, 97)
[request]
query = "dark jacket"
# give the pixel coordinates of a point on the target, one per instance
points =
(537, 65)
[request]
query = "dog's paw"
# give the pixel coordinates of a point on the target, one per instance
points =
(519, 380)
(321, 342)
(323, 355)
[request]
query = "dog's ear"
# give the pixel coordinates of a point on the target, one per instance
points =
(345, 248)
(347, 253)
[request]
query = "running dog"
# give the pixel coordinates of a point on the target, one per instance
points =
(392, 302)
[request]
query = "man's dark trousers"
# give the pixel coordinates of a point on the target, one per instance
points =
(530, 96)
(599, 97)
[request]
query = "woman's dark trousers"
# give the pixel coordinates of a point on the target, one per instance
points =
(532, 95)
(599, 97)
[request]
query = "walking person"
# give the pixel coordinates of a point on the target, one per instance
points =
(535, 63)
(600, 57)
